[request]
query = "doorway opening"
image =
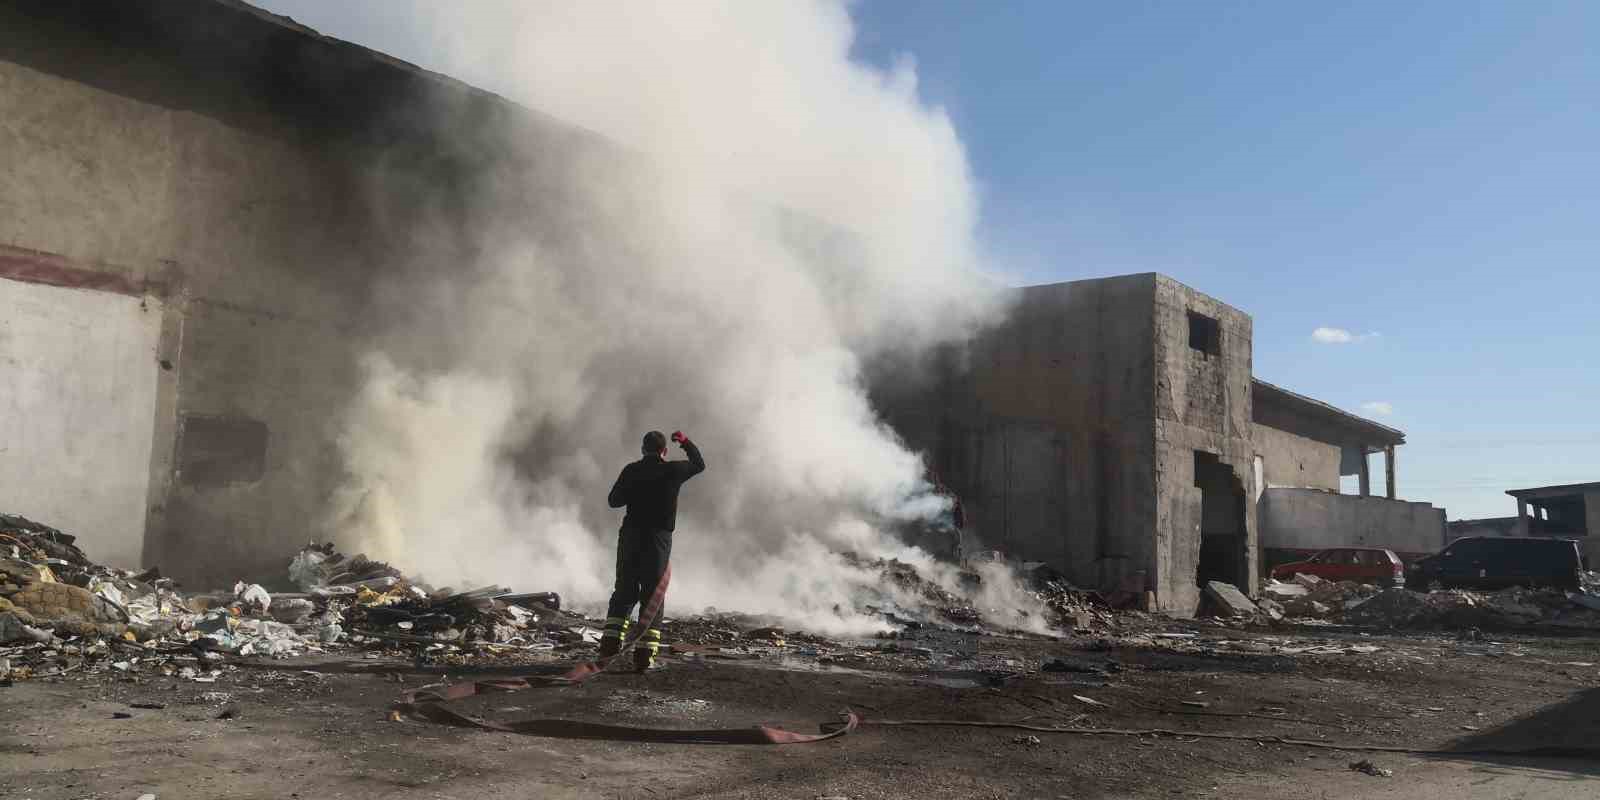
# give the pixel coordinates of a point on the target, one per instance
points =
(1223, 536)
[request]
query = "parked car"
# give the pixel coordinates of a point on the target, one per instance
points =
(1359, 564)
(1491, 562)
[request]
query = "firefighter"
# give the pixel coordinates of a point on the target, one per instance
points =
(649, 489)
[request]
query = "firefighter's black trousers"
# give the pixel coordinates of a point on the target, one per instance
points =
(642, 557)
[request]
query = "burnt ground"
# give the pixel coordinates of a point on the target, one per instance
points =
(274, 730)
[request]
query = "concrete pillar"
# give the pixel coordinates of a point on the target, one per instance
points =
(1366, 472)
(1388, 470)
(1522, 517)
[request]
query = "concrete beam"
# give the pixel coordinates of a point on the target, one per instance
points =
(1388, 470)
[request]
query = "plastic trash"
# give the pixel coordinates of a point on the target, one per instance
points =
(330, 633)
(306, 569)
(521, 616)
(265, 637)
(108, 590)
(252, 596)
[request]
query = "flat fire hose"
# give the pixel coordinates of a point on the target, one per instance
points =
(427, 702)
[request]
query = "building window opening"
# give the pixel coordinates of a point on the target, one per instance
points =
(1205, 334)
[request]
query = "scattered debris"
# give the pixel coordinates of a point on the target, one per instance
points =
(69, 613)
(1071, 665)
(1366, 766)
(1029, 740)
(1281, 590)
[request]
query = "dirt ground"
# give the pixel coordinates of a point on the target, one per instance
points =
(320, 728)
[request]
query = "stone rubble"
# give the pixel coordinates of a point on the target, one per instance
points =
(1308, 598)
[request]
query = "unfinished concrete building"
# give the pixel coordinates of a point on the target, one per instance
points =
(1113, 429)
(1566, 511)
(1305, 447)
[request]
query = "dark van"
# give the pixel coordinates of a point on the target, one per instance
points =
(1489, 562)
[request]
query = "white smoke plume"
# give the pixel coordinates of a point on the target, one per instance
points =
(802, 213)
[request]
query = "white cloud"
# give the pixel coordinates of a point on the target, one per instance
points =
(1327, 335)
(1381, 408)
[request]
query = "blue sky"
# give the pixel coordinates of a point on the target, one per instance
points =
(1428, 172)
(1424, 176)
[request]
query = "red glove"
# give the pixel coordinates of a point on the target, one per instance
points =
(677, 436)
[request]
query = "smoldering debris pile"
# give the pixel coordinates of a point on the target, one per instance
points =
(1068, 607)
(917, 601)
(380, 605)
(1310, 598)
(60, 613)
(909, 597)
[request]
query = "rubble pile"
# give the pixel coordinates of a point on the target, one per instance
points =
(1310, 598)
(1063, 606)
(60, 612)
(948, 608)
(1456, 608)
(49, 587)
(1066, 606)
(372, 604)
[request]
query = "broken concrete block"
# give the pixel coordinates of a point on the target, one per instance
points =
(1229, 599)
(1282, 590)
(1308, 581)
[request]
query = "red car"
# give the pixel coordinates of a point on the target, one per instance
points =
(1359, 564)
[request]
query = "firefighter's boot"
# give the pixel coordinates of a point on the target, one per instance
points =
(646, 650)
(611, 638)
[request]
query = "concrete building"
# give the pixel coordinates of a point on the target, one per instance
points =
(1113, 428)
(196, 200)
(1306, 446)
(1568, 511)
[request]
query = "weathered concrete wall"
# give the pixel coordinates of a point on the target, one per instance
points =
(78, 369)
(1491, 526)
(1042, 426)
(257, 180)
(1202, 403)
(1294, 461)
(1307, 519)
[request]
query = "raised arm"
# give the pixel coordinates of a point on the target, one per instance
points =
(696, 463)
